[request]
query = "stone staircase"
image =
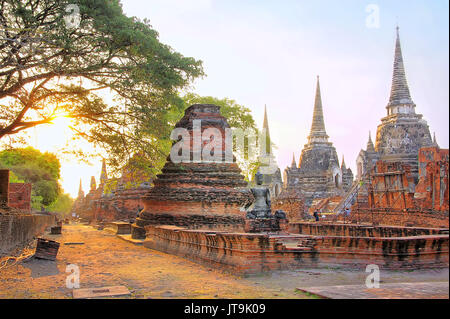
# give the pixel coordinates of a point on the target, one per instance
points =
(357, 194)
(298, 243)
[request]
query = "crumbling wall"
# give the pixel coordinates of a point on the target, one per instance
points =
(393, 197)
(16, 230)
(413, 218)
(352, 230)
(432, 190)
(20, 196)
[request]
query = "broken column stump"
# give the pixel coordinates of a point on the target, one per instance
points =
(55, 230)
(46, 249)
(120, 228)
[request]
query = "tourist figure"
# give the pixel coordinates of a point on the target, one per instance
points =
(347, 211)
(260, 208)
(316, 215)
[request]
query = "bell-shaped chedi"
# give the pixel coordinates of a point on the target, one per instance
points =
(402, 132)
(201, 185)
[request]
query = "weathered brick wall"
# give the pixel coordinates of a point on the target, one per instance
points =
(20, 196)
(16, 229)
(401, 218)
(432, 190)
(395, 199)
(392, 185)
(294, 208)
(328, 229)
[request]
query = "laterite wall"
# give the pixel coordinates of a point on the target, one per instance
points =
(16, 230)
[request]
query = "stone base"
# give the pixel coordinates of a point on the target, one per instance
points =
(259, 225)
(137, 232)
(246, 253)
(120, 228)
(192, 221)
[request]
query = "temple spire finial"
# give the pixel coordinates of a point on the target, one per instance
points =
(293, 164)
(370, 147)
(80, 190)
(343, 163)
(104, 173)
(266, 132)
(434, 139)
(318, 133)
(400, 99)
(93, 183)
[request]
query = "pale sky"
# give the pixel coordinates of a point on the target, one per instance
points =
(270, 52)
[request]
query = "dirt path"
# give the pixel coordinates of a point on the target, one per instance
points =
(105, 260)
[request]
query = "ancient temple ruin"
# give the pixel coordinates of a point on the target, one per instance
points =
(402, 131)
(197, 193)
(391, 176)
(318, 174)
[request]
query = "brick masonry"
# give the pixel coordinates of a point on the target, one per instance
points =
(16, 230)
(247, 253)
(20, 196)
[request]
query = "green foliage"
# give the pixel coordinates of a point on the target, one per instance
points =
(62, 205)
(111, 75)
(238, 116)
(42, 170)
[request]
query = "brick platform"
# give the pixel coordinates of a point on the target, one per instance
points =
(248, 253)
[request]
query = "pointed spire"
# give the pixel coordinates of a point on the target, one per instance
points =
(104, 174)
(318, 132)
(93, 183)
(434, 139)
(343, 167)
(370, 147)
(268, 148)
(293, 164)
(80, 190)
(399, 90)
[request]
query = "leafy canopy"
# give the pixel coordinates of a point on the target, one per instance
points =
(42, 170)
(110, 74)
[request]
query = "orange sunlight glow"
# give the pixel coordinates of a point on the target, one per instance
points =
(53, 138)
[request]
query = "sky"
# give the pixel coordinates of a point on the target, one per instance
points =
(270, 53)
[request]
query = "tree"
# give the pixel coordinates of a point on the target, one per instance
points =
(86, 60)
(62, 205)
(238, 116)
(42, 170)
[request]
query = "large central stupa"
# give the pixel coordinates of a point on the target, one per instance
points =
(197, 193)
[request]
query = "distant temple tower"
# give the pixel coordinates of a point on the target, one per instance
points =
(93, 184)
(266, 158)
(347, 176)
(366, 159)
(80, 191)
(318, 174)
(103, 174)
(402, 132)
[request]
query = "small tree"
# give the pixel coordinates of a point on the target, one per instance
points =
(42, 170)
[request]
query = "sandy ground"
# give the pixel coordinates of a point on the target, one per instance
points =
(105, 260)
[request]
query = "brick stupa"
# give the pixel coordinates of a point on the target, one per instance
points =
(197, 194)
